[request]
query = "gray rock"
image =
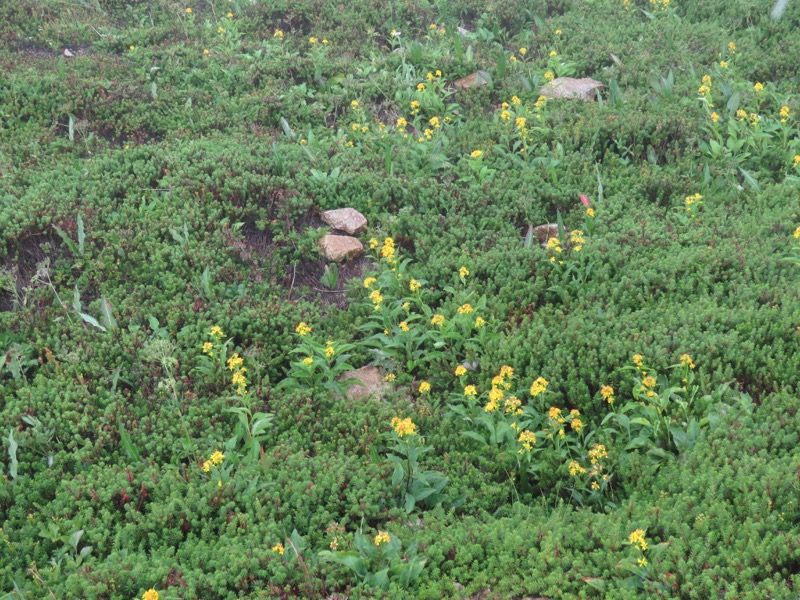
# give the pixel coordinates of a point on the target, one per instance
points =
(348, 220)
(477, 79)
(569, 88)
(340, 248)
(545, 232)
(370, 383)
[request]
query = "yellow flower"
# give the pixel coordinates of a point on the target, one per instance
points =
(205, 51)
(723, 64)
(758, 87)
(512, 405)
(330, 351)
(686, 361)
(390, 377)
(597, 452)
(217, 457)
(515, 100)
(278, 34)
(479, 322)
(424, 387)
(216, 332)
(382, 538)
(207, 466)
(577, 425)
(649, 381)
(523, 51)
(527, 438)
(235, 361)
(553, 53)
(150, 594)
(278, 548)
(406, 306)
(302, 329)
(229, 15)
(188, 10)
(549, 76)
(463, 272)
(434, 121)
(539, 387)
(470, 391)
(796, 233)
(575, 468)
(642, 561)
(220, 30)
(324, 41)
(558, 32)
(208, 348)
(607, 392)
(796, 160)
(132, 48)
(369, 281)
(637, 360)
(732, 47)
(714, 117)
(437, 320)
(476, 153)
(415, 104)
(420, 87)
(403, 427)
(506, 371)
(308, 361)
(403, 326)
(637, 539)
(376, 297)
(784, 111)
(414, 285)
(465, 309)
(312, 40)
(520, 122)
(239, 381)
(460, 370)
(438, 73)
(505, 115)
(373, 243)
(590, 212)
(554, 413)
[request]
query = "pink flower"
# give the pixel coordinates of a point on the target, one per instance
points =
(585, 200)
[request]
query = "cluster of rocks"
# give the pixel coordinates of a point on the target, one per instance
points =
(559, 88)
(343, 246)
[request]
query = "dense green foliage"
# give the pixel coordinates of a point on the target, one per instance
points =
(172, 412)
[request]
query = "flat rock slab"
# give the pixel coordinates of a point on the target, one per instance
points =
(477, 79)
(348, 220)
(370, 383)
(569, 88)
(340, 248)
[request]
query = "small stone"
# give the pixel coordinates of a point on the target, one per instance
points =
(477, 79)
(340, 248)
(348, 220)
(569, 88)
(67, 53)
(370, 383)
(545, 232)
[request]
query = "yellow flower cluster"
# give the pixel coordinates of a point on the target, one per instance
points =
(403, 326)
(465, 309)
(414, 285)
(528, 439)
(369, 282)
(302, 329)
(150, 594)
(539, 387)
(460, 370)
(437, 320)
(214, 461)
(216, 333)
(415, 107)
(705, 88)
(463, 272)
(330, 350)
(308, 361)
(390, 377)
(796, 161)
(796, 233)
(403, 427)
(376, 298)
(208, 348)
(637, 539)
(784, 112)
(513, 406)
(499, 383)
(575, 468)
(714, 117)
(638, 360)
(476, 153)
(278, 548)
(278, 34)
(239, 379)
(577, 240)
(470, 391)
(607, 392)
(382, 538)
(686, 361)
(692, 200)
(758, 87)
(424, 387)
(479, 322)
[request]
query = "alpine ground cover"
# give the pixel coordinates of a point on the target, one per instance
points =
(611, 415)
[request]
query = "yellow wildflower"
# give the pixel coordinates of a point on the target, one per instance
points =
(278, 34)
(523, 51)
(424, 387)
(220, 30)
(414, 285)
(369, 281)
(312, 40)
(463, 272)
(465, 309)
(479, 322)
(686, 361)
(575, 468)
(235, 361)
(520, 122)
(512, 405)
(470, 391)
(539, 387)
(376, 297)
(216, 332)
(505, 115)
(208, 348)
(637, 360)
(373, 243)
(278, 548)
(515, 100)
(476, 153)
(796, 233)
(649, 382)
(330, 351)
(303, 330)
(527, 438)
(460, 370)
(642, 561)
(607, 392)
(150, 594)
(217, 457)
(403, 326)
(434, 121)
(229, 15)
(553, 53)
(506, 371)
(590, 212)
(207, 466)
(421, 87)
(558, 32)
(549, 76)
(403, 427)
(637, 539)
(597, 452)
(308, 361)
(732, 47)
(432, 26)
(796, 160)
(382, 538)
(723, 64)
(390, 377)
(577, 425)
(401, 123)
(437, 320)
(554, 413)
(188, 10)
(758, 87)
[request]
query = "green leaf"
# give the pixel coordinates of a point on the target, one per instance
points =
(81, 235)
(108, 314)
(91, 320)
(65, 238)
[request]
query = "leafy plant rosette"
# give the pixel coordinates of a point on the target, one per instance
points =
(541, 447)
